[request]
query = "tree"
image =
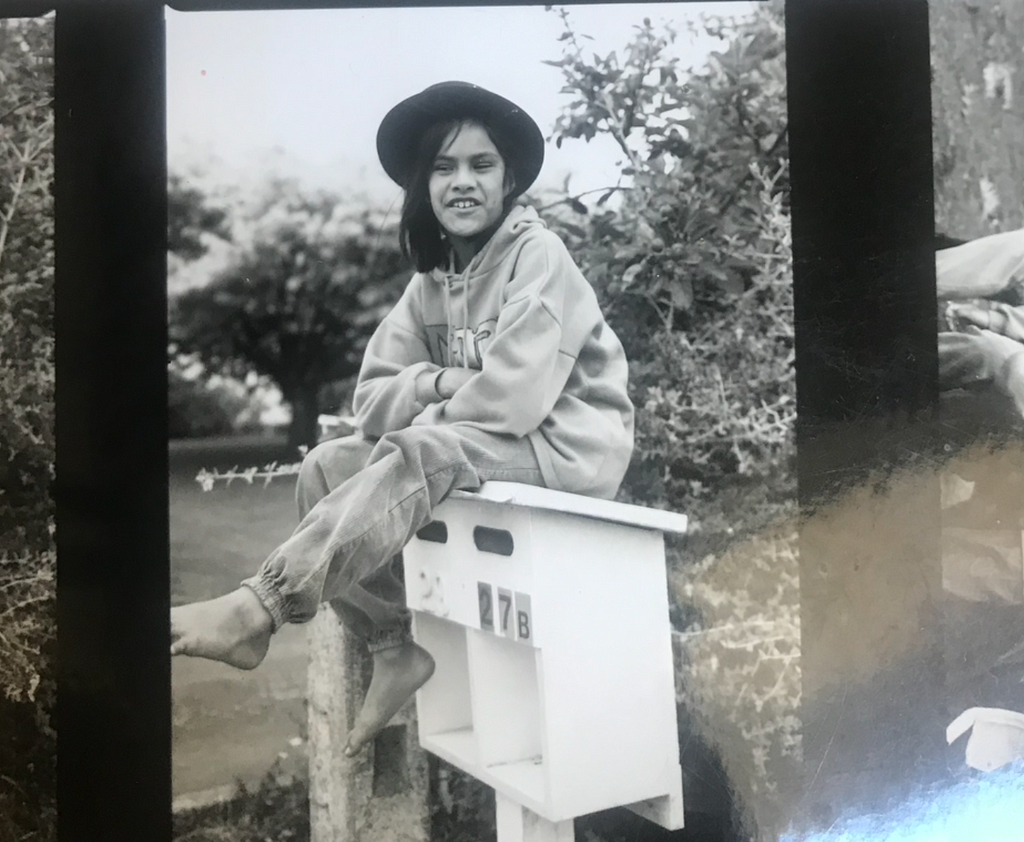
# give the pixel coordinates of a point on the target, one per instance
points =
(305, 287)
(191, 220)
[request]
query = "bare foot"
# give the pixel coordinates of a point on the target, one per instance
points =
(398, 672)
(234, 628)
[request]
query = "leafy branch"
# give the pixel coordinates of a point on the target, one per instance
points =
(576, 203)
(207, 479)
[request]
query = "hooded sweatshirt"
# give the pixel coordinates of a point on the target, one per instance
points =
(548, 366)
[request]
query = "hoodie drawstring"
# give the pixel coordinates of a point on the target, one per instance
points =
(448, 318)
(448, 314)
(465, 322)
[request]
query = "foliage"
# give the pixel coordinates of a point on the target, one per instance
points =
(719, 401)
(740, 671)
(26, 281)
(196, 407)
(307, 282)
(462, 808)
(201, 404)
(977, 62)
(191, 221)
(27, 552)
(694, 268)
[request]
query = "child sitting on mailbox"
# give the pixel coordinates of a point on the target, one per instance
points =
(496, 364)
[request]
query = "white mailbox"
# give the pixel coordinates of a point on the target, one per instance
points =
(547, 615)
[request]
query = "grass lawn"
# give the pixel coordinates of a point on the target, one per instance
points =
(228, 724)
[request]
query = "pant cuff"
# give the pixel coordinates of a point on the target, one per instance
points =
(388, 639)
(271, 598)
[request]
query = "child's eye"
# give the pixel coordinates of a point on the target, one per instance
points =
(441, 166)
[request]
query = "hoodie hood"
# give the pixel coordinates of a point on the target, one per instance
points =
(519, 220)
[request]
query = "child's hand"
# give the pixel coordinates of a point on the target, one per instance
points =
(451, 380)
(969, 313)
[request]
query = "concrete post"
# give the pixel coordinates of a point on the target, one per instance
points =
(381, 793)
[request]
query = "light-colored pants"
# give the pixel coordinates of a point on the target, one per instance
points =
(360, 502)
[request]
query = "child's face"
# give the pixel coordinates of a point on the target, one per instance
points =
(467, 183)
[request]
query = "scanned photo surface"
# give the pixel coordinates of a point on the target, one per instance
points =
(584, 258)
(491, 511)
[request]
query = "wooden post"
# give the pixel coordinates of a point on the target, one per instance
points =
(382, 792)
(517, 824)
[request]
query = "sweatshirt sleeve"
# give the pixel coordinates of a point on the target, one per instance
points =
(395, 382)
(1007, 320)
(525, 367)
(982, 267)
(962, 361)
(974, 357)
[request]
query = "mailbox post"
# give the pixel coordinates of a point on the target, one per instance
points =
(547, 615)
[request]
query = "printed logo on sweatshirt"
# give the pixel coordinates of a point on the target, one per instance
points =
(468, 344)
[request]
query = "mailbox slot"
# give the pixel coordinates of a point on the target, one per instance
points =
(497, 541)
(435, 531)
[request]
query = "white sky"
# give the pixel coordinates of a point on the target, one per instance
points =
(316, 83)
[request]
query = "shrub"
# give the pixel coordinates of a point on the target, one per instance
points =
(27, 552)
(200, 404)
(693, 268)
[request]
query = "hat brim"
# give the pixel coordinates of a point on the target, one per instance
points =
(404, 125)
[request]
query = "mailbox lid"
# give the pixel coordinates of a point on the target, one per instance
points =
(532, 496)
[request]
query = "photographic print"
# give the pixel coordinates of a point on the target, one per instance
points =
(28, 681)
(416, 251)
(255, 373)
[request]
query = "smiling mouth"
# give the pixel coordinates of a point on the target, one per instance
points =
(463, 204)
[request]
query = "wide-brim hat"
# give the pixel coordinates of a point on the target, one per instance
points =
(402, 128)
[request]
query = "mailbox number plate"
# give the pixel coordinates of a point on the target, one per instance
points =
(505, 613)
(485, 594)
(524, 618)
(510, 615)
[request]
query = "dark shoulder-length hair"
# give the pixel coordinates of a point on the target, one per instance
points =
(419, 233)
